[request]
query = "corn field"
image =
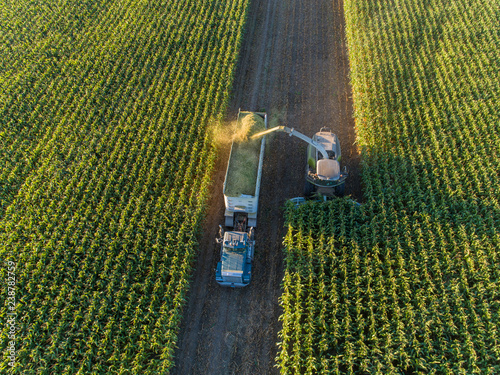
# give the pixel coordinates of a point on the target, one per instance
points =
(408, 283)
(105, 163)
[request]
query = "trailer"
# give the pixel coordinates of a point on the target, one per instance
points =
(241, 198)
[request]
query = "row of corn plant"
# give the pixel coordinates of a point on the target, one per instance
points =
(409, 282)
(106, 159)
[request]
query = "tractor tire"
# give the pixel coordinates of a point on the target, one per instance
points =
(340, 190)
(309, 189)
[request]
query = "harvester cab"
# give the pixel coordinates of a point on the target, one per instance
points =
(323, 174)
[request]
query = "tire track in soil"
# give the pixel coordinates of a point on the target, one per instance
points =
(294, 66)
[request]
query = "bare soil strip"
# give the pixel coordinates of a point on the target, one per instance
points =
(294, 66)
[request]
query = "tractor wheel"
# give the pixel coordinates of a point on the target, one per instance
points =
(309, 189)
(340, 190)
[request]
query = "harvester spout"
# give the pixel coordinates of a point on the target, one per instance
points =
(263, 133)
(292, 131)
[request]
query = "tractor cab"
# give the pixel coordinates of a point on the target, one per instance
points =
(235, 266)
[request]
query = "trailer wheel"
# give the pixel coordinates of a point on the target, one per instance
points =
(251, 234)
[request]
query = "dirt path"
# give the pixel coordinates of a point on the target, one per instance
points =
(294, 66)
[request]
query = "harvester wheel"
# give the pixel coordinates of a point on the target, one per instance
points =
(340, 190)
(309, 189)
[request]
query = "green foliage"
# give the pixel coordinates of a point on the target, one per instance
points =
(106, 159)
(409, 282)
